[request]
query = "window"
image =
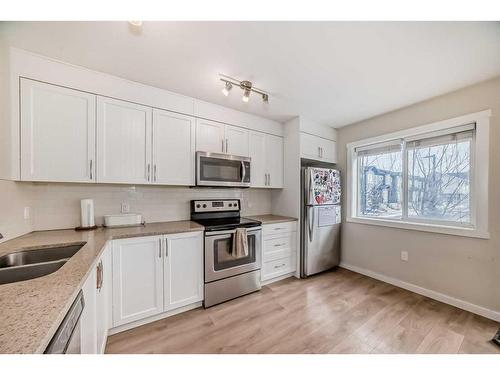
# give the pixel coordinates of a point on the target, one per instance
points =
(380, 181)
(423, 178)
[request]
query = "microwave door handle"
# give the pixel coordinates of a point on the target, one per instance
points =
(243, 171)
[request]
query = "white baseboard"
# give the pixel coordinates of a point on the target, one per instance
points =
(137, 323)
(279, 278)
(464, 305)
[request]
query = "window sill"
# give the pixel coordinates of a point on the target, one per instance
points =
(424, 227)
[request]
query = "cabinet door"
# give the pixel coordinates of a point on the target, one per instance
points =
(88, 323)
(137, 279)
(257, 152)
(209, 136)
(173, 148)
(57, 133)
(274, 161)
(329, 150)
(103, 291)
(310, 147)
(123, 142)
(236, 141)
(183, 269)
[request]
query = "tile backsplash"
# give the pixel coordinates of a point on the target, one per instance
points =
(57, 206)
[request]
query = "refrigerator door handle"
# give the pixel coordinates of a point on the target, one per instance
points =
(310, 222)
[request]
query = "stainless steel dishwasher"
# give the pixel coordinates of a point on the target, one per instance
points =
(66, 340)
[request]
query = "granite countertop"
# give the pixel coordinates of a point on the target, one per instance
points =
(271, 219)
(32, 310)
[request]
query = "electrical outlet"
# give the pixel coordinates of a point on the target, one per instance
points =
(125, 208)
(27, 213)
(404, 256)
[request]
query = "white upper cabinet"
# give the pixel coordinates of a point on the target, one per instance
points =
(257, 150)
(215, 137)
(274, 161)
(57, 133)
(173, 148)
(266, 152)
(317, 148)
(236, 141)
(328, 150)
(210, 136)
(183, 270)
(123, 142)
(137, 279)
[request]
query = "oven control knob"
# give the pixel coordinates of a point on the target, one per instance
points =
(204, 206)
(198, 205)
(230, 204)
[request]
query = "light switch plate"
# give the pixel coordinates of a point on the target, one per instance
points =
(404, 256)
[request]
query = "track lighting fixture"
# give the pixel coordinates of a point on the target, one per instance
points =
(246, 86)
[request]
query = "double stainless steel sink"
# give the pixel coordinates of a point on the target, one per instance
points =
(33, 263)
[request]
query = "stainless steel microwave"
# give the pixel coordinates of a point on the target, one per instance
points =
(214, 169)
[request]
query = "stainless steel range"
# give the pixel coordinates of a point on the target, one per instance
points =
(228, 276)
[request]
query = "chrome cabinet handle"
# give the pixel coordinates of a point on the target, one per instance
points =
(166, 248)
(159, 252)
(281, 265)
(149, 171)
(227, 143)
(222, 145)
(154, 172)
(269, 179)
(100, 276)
(91, 170)
(279, 244)
(319, 152)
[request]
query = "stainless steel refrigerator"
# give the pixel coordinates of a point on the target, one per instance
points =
(320, 222)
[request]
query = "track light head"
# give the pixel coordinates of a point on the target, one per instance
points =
(227, 87)
(265, 98)
(246, 96)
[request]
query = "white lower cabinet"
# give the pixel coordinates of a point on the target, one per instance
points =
(279, 250)
(156, 274)
(183, 270)
(103, 299)
(137, 278)
(94, 321)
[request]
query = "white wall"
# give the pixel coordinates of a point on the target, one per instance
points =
(467, 269)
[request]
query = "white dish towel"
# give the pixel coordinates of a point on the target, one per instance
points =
(240, 243)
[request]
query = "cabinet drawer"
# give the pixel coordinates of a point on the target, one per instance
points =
(278, 267)
(279, 228)
(283, 244)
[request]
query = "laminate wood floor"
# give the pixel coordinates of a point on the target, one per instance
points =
(335, 312)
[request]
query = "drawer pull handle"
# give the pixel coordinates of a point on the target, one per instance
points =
(278, 228)
(281, 265)
(279, 244)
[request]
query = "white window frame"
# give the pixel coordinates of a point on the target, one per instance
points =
(478, 226)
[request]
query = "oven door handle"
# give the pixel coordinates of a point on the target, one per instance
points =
(223, 232)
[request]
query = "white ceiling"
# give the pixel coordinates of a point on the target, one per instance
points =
(335, 73)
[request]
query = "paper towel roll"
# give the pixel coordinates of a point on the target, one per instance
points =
(87, 213)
